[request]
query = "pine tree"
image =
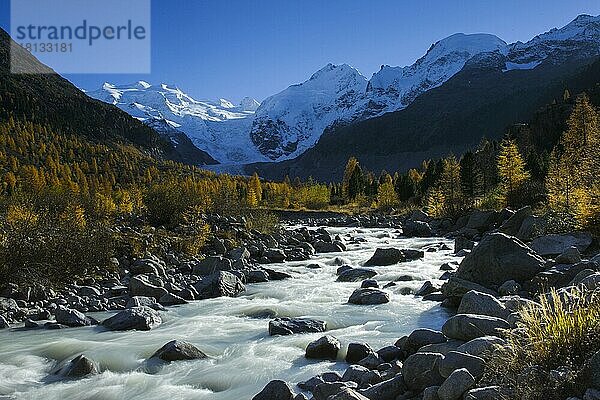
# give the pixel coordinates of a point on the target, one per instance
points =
(352, 184)
(450, 185)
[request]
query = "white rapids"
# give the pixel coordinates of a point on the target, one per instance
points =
(243, 356)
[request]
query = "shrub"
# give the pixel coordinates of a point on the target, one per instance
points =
(263, 221)
(549, 347)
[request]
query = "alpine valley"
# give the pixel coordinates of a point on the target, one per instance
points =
(464, 88)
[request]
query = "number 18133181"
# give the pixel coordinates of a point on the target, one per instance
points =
(48, 47)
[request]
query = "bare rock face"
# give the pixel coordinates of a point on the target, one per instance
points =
(497, 259)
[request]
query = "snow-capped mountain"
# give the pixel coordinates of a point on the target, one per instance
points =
(217, 127)
(288, 123)
(397, 87)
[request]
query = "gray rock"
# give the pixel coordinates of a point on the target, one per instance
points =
(357, 352)
(219, 284)
(531, 227)
(420, 370)
(79, 367)
(371, 361)
(555, 244)
(509, 287)
(212, 264)
(326, 247)
(482, 345)
(170, 299)
(312, 383)
(390, 256)
(484, 393)
(361, 375)
(257, 276)
(275, 255)
(147, 285)
(498, 258)
(419, 338)
(325, 348)
(591, 282)
(355, 274)
(4, 323)
(138, 301)
(468, 326)
(368, 296)
(455, 360)
(482, 220)
(177, 350)
(389, 353)
(512, 225)
(442, 348)
(456, 385)
(456, 287)
(8, 305)
(138, 318)
(430, 393)
(239, 253)
(386, 390)
(289, 326)
(462, 243)
(426, 289)
(275, 390)
(325, 390)
(478, 303)
(70, 317)
(569, 256)
(589, 377)
(417, 229)
(369, 283)
(347, 394)
(88, 291)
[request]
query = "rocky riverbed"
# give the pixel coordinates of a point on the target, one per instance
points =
(366, 307)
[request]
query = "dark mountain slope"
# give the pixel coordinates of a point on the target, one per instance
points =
(48, 99)
(481, 100)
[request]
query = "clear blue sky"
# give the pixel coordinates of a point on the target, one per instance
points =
(237, 48)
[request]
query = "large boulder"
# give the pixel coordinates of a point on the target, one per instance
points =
(138, 301)
(368, 296)
(325, 348)
(289, 326)
(147, 285)
(212, 264)
(512, 225)
(177, 350)
(138, 318)
(456, 385)
(555, 244)
(356, 274)
(469, 326)
(390, 256)
(219, 284)
(70, 317)
(485, 393)
(275, 255)
(474, 302)
(454, 360)
(275, 390)
(456, 287)
(589, 376)
(421, 370)
(498, 258)
(4, 323)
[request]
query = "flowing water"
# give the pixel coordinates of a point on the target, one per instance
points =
(243, 357)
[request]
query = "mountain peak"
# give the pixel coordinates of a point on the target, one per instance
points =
(335, 70)
(249, 104)
(474, 43)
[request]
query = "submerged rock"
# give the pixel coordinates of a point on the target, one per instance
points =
(355, 274)
(289, 326)
(368, 296)
(79, 367)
